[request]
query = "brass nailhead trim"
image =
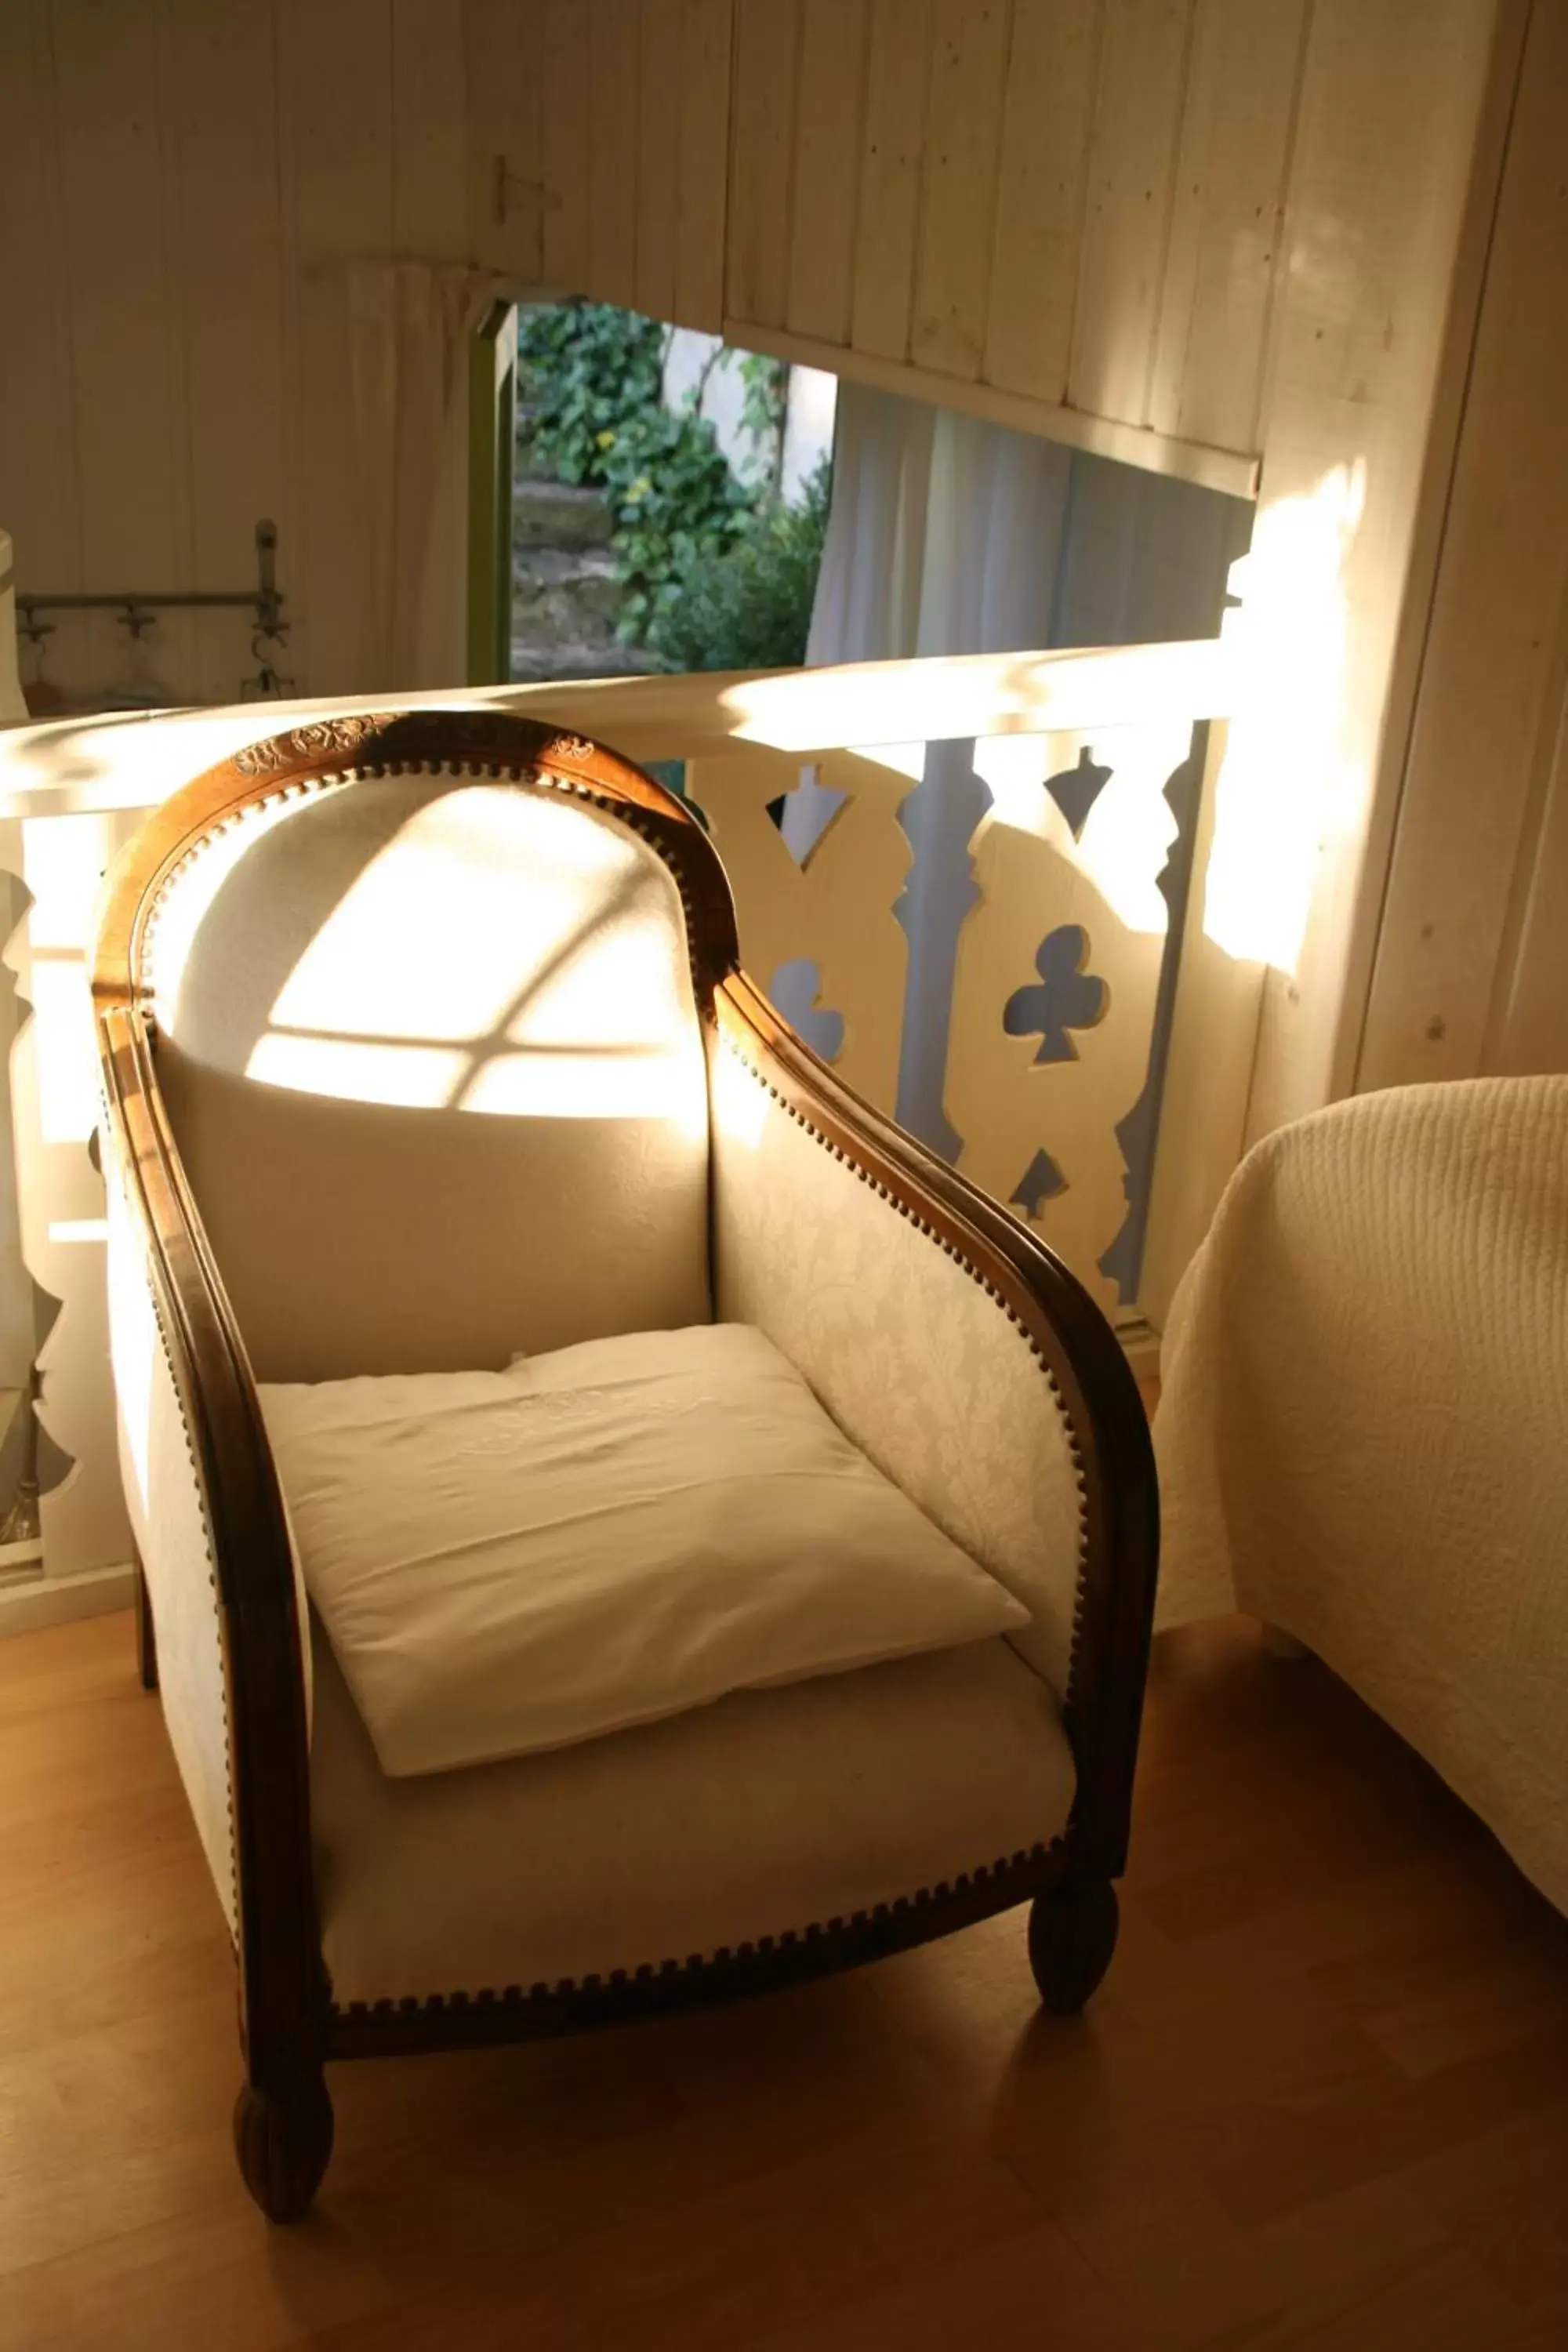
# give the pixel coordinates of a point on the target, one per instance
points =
(1075, 1450)
(695, 1965)
(949, 1249)
(205, 1524)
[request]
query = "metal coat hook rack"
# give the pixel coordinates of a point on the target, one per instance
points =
(137, 611)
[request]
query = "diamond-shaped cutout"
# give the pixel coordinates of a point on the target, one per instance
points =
(1041, 1180)
(805, 815)
(1075, 789)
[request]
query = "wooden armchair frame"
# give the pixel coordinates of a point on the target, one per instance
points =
(289, 2023)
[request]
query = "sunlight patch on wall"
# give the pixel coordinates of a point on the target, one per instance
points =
(1280, 781)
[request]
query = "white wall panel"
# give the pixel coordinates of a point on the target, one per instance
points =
(952, 260)
(225, 263)
(1473, 966)
(1047, 112)
(39, 484)
(1131, 176)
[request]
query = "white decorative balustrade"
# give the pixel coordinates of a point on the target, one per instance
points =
(815, 892)
(974, 885)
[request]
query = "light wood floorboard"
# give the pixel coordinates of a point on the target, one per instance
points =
(1321, 2101)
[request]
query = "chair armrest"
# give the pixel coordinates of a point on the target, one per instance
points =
(209, 1515)
(963, 1357)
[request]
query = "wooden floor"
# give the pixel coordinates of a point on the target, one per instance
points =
(1321, 2101)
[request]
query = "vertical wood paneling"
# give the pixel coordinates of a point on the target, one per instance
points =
(227, 253)
(430, 133)
(969, 58)
(767, 35)
(127, 396)
(609, 164)
(1529, 1027)
(658, 160)
(1226, 221)
(172, 648)
(117, 270)
(703, 163)
(38, 442)
(338, 91)
(204, 202)
(335, 99)
(1390, 103)
(295, 575)
(566, 144)
(897, 77)
(1489, 713)
(827, 158)
(1049, 103)
(502, 42)
(1131, 164)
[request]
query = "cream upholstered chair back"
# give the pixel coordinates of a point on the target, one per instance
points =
(429, 1048)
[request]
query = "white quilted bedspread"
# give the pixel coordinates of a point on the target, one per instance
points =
(1364, 1431)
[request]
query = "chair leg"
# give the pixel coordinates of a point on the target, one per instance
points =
(146, 1639)
(1072, 1935)
(284, 2143)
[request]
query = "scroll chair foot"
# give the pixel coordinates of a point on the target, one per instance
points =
(146, 1640)
(1072, 1934)
(284, 2143)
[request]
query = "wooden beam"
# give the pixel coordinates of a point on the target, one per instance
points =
(1230, 470)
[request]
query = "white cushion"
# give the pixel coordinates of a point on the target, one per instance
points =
(616, 1532)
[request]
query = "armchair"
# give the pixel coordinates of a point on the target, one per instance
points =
(337, 1142)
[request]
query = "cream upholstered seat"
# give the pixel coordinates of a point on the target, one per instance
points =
(764, 1815)
(425, 1044)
